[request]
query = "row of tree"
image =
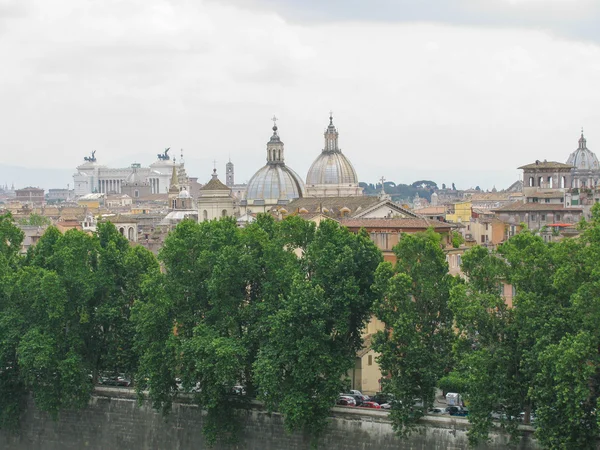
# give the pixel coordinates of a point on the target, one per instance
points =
(279, 307)
(513, 357)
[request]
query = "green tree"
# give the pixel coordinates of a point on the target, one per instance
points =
(457, 239)
(416, 344)
(566, 387)
(487, 351)
(221, 314)
(12, 388)
(66, 315)
(541, 352)
(36, 220)
(205, 318)
(316, 332)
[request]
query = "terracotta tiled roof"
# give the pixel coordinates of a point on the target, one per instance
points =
(214, 185)
(546, 165)
(312, 215)
(335, 206)
(313, 204)
(551, 194)
(431, 210)
(491, 196)
(520, 206)
(400, 223)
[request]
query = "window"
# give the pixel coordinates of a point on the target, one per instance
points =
(487, 226)
(557, 217)
(136, 194)
(205, 215)
(547, 200)
(482, 238)
(522, 217)
(533, 217)
(224, 213)
(458, 260)
(370, 360)
(543, 217)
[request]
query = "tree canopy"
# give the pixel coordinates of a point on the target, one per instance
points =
(537, 355)
(276, 307)
(416, 344)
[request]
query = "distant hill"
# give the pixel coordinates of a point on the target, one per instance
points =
(38, 177)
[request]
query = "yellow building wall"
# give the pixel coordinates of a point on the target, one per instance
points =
(462, 212)
(370, 374)
(90, 204)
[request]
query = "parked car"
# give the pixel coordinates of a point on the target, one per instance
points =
(117, 380)
(369, 404)
(345, 400)
(531, 417)
(458, 411)
(238, 390)
(436, 411)
(382, 398)
(357, 397)
(364, 397)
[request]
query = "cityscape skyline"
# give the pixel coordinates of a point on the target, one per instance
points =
(435, 92)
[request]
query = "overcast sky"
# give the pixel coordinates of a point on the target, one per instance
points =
(460, 91)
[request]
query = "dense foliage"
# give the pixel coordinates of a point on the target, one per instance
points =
(276, 310)
(416, 344)
(537, 358)
(276, 307)
(64, 315)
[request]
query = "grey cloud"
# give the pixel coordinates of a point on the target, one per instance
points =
(576, 20)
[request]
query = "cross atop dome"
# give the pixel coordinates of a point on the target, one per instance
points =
(275, 136)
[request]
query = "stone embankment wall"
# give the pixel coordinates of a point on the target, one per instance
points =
(114, 420)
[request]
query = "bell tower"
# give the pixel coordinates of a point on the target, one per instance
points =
(229, 180)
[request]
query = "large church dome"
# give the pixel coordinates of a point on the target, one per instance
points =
(331, 168)
(583, 158)
(332, 174)
(275, 183)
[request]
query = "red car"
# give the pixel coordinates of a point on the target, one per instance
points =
(371, 405)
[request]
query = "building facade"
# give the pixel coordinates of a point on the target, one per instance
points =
(215, 200)
(32, 195)
(93, 177)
